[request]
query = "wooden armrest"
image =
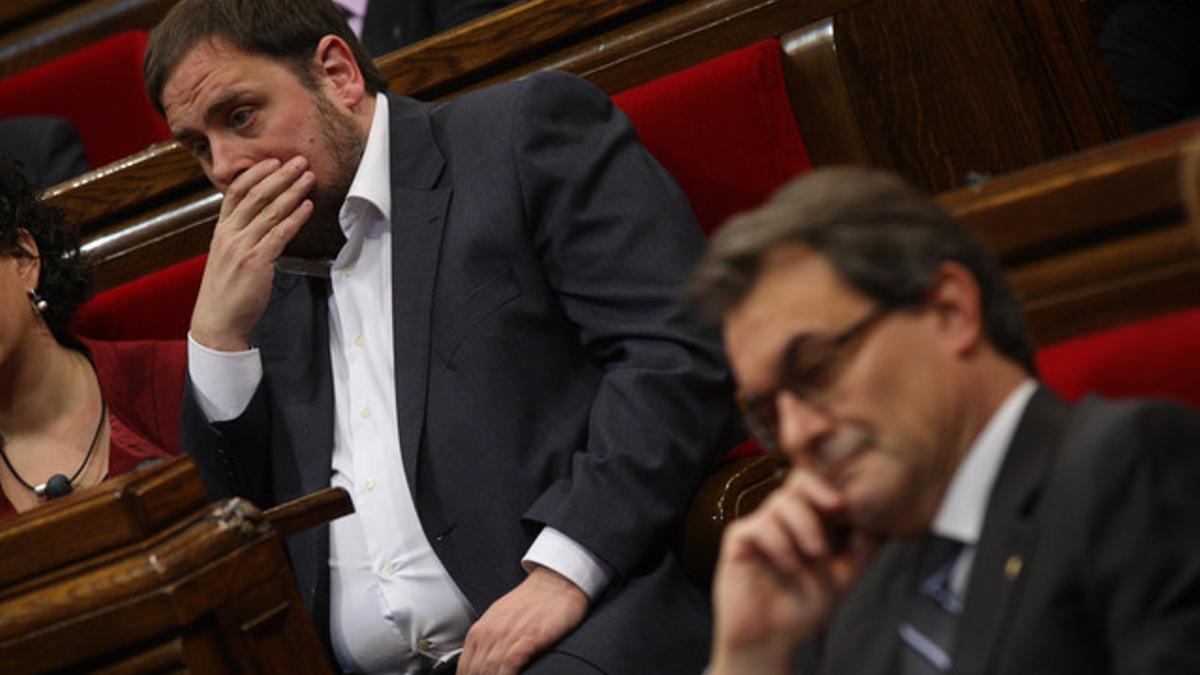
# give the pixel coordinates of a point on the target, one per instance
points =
(309, 511)
(733, 491)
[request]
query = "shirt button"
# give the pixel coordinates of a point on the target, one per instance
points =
(369, 485)
(366, 413)
(389, 569)
(359, 341)
(348, 272)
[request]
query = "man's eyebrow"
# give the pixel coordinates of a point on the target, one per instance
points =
(213, 110)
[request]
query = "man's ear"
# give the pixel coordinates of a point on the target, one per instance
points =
(335, 64)
(29, 259)
(958, 306)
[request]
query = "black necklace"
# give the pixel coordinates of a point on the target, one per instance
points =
(59, 485)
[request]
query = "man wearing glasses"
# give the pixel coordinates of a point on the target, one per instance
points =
(943, 512)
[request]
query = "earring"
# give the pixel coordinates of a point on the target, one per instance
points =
(39, 303)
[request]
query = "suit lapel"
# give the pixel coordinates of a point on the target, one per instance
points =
(1009, 528)
(418, 219)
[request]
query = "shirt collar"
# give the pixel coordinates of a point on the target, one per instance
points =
(372, 184)
(355, 8)
(960, 516)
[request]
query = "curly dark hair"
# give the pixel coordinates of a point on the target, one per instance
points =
(64, 278)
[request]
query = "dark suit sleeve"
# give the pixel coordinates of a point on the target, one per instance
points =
(232, 456)
(1143, 566)
(616, 239)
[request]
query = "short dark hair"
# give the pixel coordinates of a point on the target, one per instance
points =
(884, 237)
(63, 282)
(287, 30)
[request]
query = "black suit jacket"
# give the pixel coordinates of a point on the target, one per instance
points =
(546, 370)
(48, 148)
(392, 24)
(1089, 558)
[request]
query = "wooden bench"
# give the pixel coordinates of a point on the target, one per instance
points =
(934, 91)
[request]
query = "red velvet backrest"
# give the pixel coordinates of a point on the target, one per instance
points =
(1157, 357)
(157, 306)
(100, 89)
(724, 129)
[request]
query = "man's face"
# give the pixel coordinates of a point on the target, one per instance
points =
(233, 109)
(876, 419)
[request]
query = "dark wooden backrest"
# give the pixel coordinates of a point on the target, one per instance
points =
(33, 32)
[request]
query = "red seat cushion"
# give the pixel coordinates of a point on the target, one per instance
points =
(100, 89)
(157, 306)
(1157, 357)
(724, 129)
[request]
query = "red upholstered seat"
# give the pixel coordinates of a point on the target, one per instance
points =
(723, 128)
(1157, 357)
(157, 306)
(99, 88)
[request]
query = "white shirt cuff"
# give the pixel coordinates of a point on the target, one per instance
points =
(564, 555)
(224, 382)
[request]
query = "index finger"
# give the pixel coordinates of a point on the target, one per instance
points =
(246, 180)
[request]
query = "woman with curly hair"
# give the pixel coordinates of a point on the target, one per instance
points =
(69, 416)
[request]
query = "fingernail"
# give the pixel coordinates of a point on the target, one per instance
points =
(299, 162)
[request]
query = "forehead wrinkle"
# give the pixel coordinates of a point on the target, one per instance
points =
(212, 69)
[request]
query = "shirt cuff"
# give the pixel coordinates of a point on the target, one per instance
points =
(564, 555)
(224, 382)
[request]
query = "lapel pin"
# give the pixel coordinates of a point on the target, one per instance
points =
(1012, 567)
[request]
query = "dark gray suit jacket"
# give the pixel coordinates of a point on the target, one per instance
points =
(1089, 559)
(392, 24)
(547, 372)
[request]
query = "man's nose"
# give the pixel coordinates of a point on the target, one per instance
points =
(228, 162)
(802, 425)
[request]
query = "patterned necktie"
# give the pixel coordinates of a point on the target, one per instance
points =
(927, 631)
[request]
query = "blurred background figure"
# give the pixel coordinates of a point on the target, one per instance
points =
(47, 148)
(387, 25)
(1152, 51)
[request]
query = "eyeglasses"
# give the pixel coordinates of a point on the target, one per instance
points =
(809, 365)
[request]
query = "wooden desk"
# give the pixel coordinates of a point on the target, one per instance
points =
(141, 575)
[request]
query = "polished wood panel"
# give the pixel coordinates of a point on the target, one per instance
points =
(188, 587)
(14, 10)
(828, 123)
(957, 88)
(731, 492)
(73, 25)
(130, 509)
(453, 60)
(1096, 239)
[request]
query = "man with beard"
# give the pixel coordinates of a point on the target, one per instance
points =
(944, 512)
(469, 316)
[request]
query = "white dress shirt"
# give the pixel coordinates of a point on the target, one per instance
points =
(961, 513)
(390, 596)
